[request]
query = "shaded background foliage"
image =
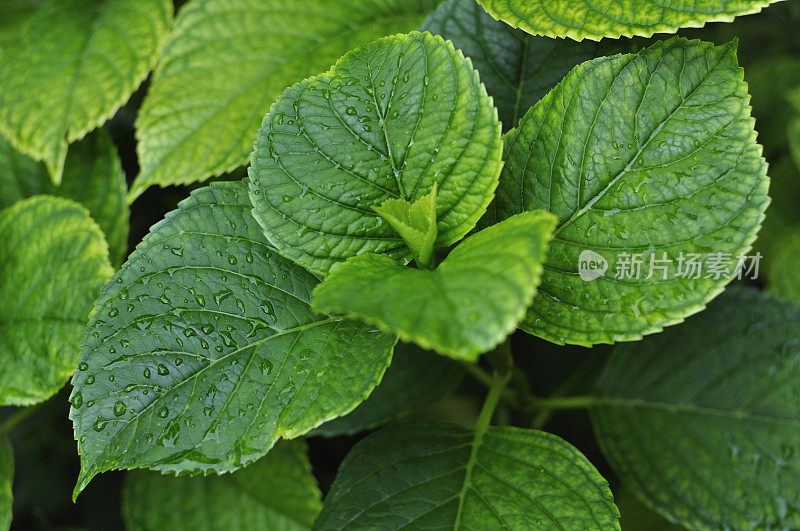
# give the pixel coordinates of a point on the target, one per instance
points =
(47, 463)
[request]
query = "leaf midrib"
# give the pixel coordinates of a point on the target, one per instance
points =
(718, 412)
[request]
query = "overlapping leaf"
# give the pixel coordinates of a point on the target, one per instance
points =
(53, 263)
(203, 351)
(92, 176)
(517, 68)
(647, 158)
(227, 60)
(277, 492)
(415, 379)
(437, 476)
(56, 89)
(389, 121)
(466, 307)
(595, 19)
(702, 420)
(6, 481)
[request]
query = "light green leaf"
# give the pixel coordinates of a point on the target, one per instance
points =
(438, 476)
(227, 60)
(595, 19)
(466, 307)
(53, 263)
(93, 176)
(702, 421)
(518, 69)
(416, 379)
(651, 158)
(6, 482)
(415, 223)
(57, 89)
(390, 120)
(278, 492)
(783, 279)
(203, 351)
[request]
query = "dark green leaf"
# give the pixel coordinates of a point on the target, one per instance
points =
(649, 158)
(518, 69)
(389, 121)
(203, 350)
(6, 482)
(416, 379)
(439, 476)
(702, 421)
(278, 492)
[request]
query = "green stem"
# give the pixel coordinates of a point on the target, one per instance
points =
(496, 389)
(544, 415)
(18, 418)
(566, 402)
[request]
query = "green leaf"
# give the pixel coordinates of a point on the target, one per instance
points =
(518, 69)
(650, 154)
(595, 19)
(416, 379)
(227, 60)
(415, 223)
(389, 121)
(53, 263)
(15, 13)
(436, 476)
(466, 307)
(277, 492)
(6, 482)
(783, 279)
(768, 79)
(203, 350)
(56, 89)
(702, 421)
(93, 176)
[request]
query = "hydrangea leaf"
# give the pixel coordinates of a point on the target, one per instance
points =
(416, 379)
(203, 350)
(277, 492)
(56, 89)
(6, 482)
(227, 60)
(53, 263)
(92, 176)
(702, 420)
(415, 223)
(595, 19)
(518, 69)
(15, 12)
(389, 121)
(646, 158)
(439, 476)
(466, 307)
(783, 278)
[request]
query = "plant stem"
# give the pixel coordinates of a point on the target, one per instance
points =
(18, 418)
(567, 402)
(496, 389)
(541, 419)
